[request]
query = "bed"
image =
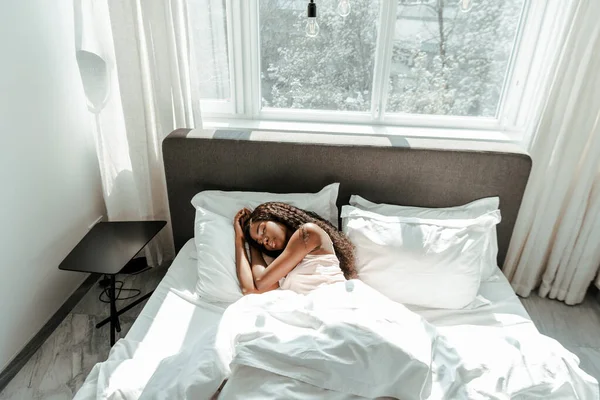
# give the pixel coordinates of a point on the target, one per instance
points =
(174, 318)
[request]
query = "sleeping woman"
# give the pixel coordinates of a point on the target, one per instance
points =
(308, 250)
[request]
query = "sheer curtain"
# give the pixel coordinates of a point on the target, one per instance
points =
(555, 245)
(134, 61)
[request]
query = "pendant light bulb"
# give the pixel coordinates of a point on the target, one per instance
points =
(465, 5)
(343, 8)
(312, 27)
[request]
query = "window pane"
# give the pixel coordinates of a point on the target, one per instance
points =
(208, 20)
(333, 71)
(449, 62)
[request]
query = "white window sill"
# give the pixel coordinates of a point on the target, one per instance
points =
(359, 135)
(366, 130)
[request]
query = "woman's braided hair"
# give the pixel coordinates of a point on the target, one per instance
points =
(293, 218)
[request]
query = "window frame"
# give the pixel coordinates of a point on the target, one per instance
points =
(221, 106)
(520, 100)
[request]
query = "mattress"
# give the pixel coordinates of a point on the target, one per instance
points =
(174, 317)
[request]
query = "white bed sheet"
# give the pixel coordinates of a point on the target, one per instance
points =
(505, 309)
(174, 317)
(174, 313)
(174, 309)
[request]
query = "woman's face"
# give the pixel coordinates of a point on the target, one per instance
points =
(269, 234)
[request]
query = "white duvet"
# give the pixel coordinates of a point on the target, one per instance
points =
(344, 341)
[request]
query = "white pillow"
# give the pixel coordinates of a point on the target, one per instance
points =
(227, 204)
(214, 239)
(424, 262)
(214, 234)
(468, 211)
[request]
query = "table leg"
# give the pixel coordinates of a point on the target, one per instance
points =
(125, 309)
(114, 319)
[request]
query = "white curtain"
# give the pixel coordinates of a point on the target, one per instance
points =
(556, 243)
(134, 61)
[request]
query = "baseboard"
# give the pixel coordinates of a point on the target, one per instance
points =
(19, 361)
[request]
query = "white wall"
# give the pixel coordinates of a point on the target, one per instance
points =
(48, 166)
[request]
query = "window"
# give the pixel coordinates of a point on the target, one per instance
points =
(210, 47)
(449, 62)
(388, 63)
(331, 72)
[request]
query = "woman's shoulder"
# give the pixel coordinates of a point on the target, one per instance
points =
(315, 237)
(309, 234)
(310, 226)
(309, 229)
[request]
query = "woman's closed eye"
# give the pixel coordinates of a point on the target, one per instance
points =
(261, 234)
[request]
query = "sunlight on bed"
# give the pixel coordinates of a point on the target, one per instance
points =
(171, 321)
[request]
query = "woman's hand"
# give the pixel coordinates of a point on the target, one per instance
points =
(238, 222)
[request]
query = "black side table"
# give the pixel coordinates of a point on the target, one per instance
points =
(106, 249)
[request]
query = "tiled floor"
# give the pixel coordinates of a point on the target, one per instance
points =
(60, 366)
(575, 327)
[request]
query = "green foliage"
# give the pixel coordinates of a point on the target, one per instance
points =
(444, 61)
(468, 76)
(332, 71)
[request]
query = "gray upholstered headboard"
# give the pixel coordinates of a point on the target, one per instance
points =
(417, 172)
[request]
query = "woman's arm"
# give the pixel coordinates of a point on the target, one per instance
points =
(244, 273)
(258, 265)
(302, 242)
(257, 261)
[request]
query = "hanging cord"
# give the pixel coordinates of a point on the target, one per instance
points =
(105, 294)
